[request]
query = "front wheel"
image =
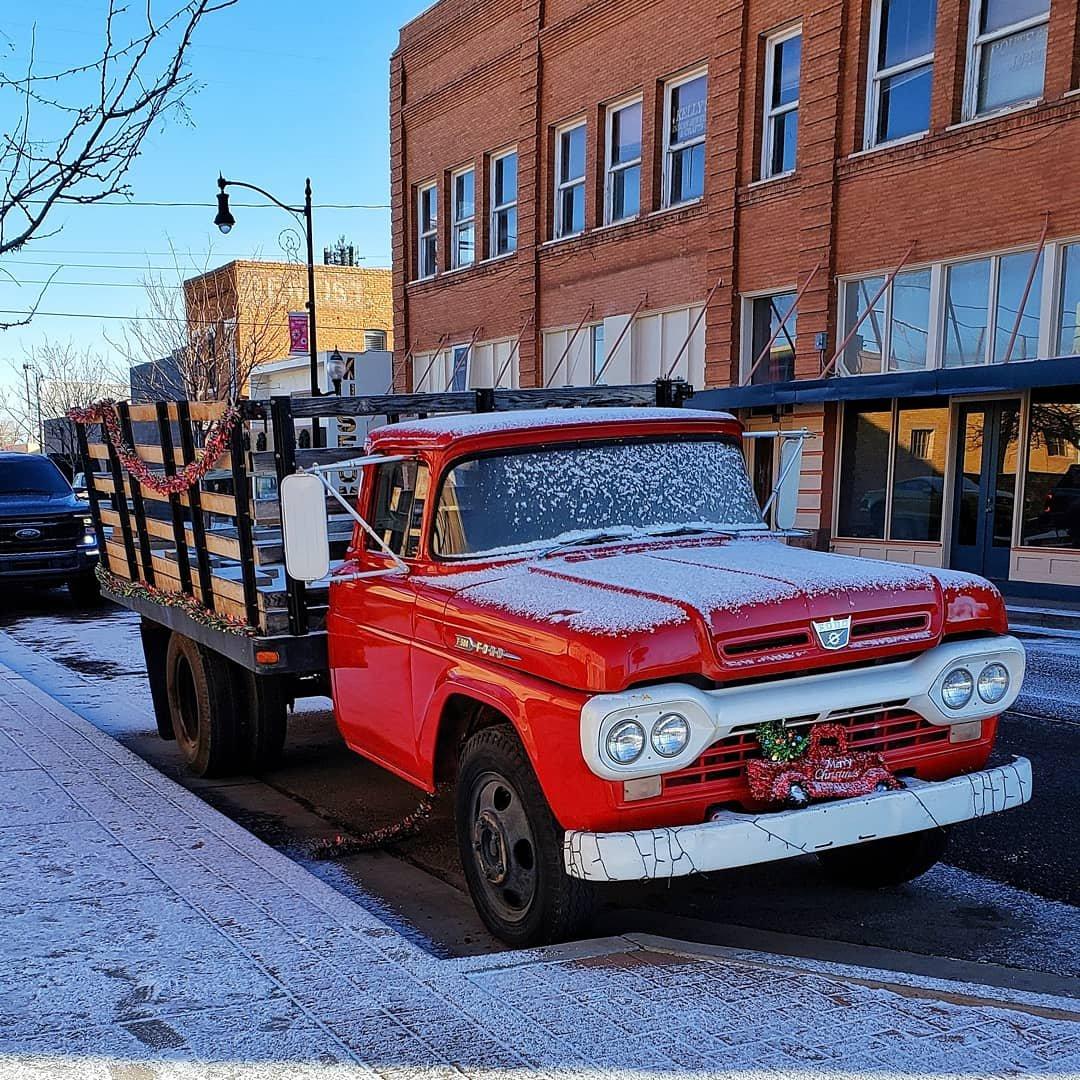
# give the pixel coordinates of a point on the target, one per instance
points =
(511, 846)
(878, 864)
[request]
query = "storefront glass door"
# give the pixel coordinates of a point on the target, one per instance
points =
(985, 500)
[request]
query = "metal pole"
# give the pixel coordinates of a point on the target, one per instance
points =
(1027, 287)
(570, 344)
(313, 347)
(40, 422)
(29, 407)
(783, 323)
(693, 329)
(869, 307)
(514, 350)
(618, 341)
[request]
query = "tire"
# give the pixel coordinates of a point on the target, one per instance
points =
(155, 643)
(202, 707)
(511, 846)
(85, 590)
(878, 864)
(266, 718)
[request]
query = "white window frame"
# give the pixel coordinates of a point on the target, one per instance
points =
(672, 148)
(597, 332)
(501, 208)
(558, 230)
(977, 43)
(459, 225)
(611, 169)
(452, 363)
(422, 235)
(770, 113)
(876, 77)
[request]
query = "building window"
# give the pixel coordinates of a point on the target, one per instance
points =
(504, 203)
(598, 353)
(622, 165)
(782, 57)
(766, 314)
(897, 326)
(1052, 481)
(570, 181)
(901, 58)
(892, 470)
(427, 221)
(983, 301)
(459, 373)
(1068, 327)
(1007, 53)
(463, 219)
(684, 139)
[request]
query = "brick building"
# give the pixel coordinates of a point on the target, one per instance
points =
(246, 305)
(857, 216)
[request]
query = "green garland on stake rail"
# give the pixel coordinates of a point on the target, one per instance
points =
(191, 607)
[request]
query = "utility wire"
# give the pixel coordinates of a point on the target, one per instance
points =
(202, 205)
(156, 318)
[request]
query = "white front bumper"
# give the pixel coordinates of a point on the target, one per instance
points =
(744, 839)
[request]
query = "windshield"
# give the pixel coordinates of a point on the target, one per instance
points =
(32, 476)
(595, 492)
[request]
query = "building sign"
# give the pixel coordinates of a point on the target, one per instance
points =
(298, 333)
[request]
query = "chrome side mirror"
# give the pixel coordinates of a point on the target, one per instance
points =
(787, 488)
(304, 527)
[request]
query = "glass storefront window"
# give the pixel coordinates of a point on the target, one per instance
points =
(918, 487)
(865, 350)
(1013, 272)
(1068, 336)
(909, 322)
(864, 470)
(1052, 484)
(767, 313)
(967, 293)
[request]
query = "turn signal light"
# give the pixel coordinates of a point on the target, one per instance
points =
(267, 656)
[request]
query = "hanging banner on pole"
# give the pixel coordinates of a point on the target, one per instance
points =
(298, 333)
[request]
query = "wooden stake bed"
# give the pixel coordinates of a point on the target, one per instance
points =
(219, 543)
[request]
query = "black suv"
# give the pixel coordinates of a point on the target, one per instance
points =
(46, 536)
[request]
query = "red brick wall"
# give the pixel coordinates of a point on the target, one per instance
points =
(472, 76)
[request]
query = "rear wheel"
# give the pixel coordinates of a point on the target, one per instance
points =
(878, 864)
(202, 707)
(511, 846)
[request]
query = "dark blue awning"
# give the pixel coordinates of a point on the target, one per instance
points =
(985, 379)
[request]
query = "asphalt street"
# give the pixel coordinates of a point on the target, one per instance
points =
(1002, 900)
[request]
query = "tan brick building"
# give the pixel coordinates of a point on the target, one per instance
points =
(350, 302)
(573, 182)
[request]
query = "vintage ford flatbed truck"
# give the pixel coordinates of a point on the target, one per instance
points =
(577, 617)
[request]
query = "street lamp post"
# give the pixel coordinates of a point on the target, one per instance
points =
(27, 368)
(225, 221)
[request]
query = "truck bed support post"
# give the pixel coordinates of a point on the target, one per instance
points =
(120, 498)
(168, 457)
(145, 551)
(198, 526)
(242, 497)
(92, 493)
(281, 422)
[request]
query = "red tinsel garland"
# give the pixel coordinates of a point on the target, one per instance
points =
(215, 445)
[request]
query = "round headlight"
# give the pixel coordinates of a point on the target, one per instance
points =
(957, 688)
(993, 683)
(625, 742)
(670, 734)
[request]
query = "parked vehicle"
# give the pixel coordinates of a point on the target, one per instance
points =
(578, 619)
(46, 537)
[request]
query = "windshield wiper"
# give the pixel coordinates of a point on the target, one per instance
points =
(594, 536)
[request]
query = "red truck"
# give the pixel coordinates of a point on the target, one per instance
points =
(578, 618)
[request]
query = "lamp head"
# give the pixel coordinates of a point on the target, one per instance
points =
(335, 366)
(224, 220)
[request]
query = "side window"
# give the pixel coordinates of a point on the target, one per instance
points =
(401, 490)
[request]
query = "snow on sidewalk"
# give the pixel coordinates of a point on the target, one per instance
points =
(145, 935)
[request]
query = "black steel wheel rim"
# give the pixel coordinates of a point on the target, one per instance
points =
(503, 847)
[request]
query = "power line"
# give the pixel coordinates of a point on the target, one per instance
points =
(192, 271)
(155, 318)
(203, 205)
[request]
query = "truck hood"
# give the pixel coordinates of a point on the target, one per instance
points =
(719, 608)
(35, 504)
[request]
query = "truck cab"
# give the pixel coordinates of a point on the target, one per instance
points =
(579, 619)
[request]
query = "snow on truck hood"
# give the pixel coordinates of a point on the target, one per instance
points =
(619, 592)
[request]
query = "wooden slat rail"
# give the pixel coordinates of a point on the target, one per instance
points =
(381, 404)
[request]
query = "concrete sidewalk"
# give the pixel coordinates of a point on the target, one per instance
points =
(145, 935)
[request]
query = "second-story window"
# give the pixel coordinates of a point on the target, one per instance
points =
(463, 223)
(783, 53)
(622, 191)
(901, 69)
(503, 204)
(1007, 54)
(570, 180)
(684, 138)
(427, 225)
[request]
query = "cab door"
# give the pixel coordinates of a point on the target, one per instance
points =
(372, 625)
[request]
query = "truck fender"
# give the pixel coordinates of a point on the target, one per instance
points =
(501, 698)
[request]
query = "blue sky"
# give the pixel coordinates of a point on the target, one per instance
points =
(287, 90)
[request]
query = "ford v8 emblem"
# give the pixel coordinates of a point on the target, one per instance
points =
(27, 534)
(833, 633)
